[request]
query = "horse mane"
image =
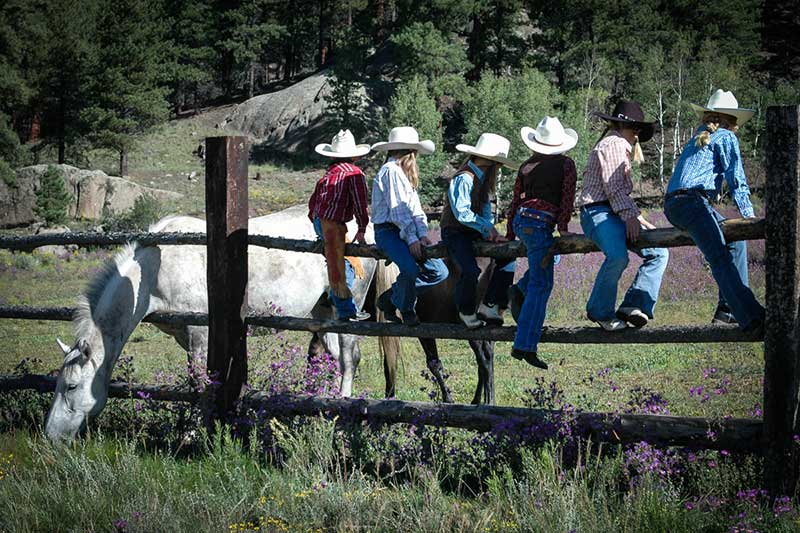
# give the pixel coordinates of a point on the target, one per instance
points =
(82, 320)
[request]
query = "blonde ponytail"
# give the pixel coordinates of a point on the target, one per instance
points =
(638, 155)
(712, 122)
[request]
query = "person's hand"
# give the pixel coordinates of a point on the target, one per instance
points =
(360, 237)
(645, 223)
(632, 229)
(494, 236)
(425, 241)
(416, 250)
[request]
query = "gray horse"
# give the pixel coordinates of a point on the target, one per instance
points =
(143, 280)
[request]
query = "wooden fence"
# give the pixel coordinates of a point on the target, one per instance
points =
(227, 240)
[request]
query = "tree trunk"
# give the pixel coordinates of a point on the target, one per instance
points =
(123, 163)
(475, 45)
(321, 51)
(62, 133)
(251, 80)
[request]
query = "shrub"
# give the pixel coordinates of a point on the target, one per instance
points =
(145, 211)
(413, 105)
(52, 197)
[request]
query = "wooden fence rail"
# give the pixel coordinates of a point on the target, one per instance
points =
(734, 230)
(730, 434)
(575, 335)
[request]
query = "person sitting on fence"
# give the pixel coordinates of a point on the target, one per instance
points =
(401, 227)
(467, 216)
(609, 215)
(710, 156)
(339, 195)
(544, 195)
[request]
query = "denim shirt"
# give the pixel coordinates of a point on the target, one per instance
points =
(460, 196)
(705, 168)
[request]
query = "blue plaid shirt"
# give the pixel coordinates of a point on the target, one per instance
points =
(705, 168)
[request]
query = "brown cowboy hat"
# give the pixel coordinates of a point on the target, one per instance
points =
(630, 112)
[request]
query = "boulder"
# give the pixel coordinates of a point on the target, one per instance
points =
(292, 120)
(93, 192)
(57, 249)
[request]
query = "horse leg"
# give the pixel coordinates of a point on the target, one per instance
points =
(334, 346)
(480, 359)
(315, 347)
(488, 350)
(435, 366)
(349, 358)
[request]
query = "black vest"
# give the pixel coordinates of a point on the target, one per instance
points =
(478, 198)
(541, 177)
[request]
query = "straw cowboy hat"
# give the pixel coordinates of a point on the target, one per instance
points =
(630, 112)
(343, 145)
(549, 137)
(490, 146)
(724, 102)
(405, 138)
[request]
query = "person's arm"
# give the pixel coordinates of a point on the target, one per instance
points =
(729, 158)
(615, 168)
(459, 193)
(398, 197)
(569, 182)
(512, 210)
(312, 203)
(358, 194)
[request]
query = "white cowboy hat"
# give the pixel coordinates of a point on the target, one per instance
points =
(490, 146)
(724, 102)
(343, 145)
(405, 138)
(549, 137)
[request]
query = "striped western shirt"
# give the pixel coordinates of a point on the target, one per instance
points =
(340, 194)
(705, 168)
(607, 177)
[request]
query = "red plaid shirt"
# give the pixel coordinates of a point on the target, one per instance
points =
(562, 212)
(340, 194)
(608, 176)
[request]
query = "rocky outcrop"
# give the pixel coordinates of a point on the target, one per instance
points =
(93, 192)
(292, 120)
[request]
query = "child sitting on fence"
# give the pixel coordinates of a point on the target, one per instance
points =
(710, 156)
(544, 194)
(401, 227)
(338, 196)
(467, 216)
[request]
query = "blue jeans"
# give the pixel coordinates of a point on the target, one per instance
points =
(414, 277)
(537, 284)
(345, 307)
(607, 230)
(459, 246)
(728, 261)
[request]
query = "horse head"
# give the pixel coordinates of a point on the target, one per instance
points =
(76, 397)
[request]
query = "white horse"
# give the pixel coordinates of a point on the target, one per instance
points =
(143, 280)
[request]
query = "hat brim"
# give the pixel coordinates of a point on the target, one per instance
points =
(425, 147)
(471, 150)
(529, 138)
(327, 151)
(647, 129)
(742, 115)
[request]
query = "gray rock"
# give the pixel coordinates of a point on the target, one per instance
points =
(94, 194)
(56, 249)
(291, 120)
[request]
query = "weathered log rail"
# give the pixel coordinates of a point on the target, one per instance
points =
(572, 335)
(730, 434)
(734, 230)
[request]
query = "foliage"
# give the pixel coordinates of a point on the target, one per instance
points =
(52, 197)
(146, 210)
(413, 105)
(346, 104)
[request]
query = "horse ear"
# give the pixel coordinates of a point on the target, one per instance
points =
(83, 346)
(64, 348)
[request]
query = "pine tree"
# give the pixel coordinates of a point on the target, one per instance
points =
(128, 94)
(52, 198)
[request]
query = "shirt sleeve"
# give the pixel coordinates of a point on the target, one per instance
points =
(569, 182)
(459, 195)
(358, 193)
(312, 203)
(398, 198)
(615, 169)
(512, 210)
(729, 157)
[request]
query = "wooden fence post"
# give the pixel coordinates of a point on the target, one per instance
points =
(781, 349)
(226, 227)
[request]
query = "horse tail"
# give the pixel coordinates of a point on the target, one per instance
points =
(389, 346)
